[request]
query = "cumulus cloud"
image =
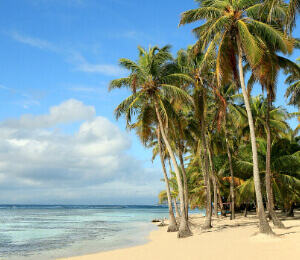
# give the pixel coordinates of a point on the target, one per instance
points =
(39, 165)
(67, 112)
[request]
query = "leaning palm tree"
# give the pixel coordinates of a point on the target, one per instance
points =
(232, 28)
(150, 78)
(173, 225)
(144, 132)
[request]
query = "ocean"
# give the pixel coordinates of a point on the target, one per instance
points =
(32, 232)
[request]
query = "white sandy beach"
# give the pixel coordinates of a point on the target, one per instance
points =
(226, 240)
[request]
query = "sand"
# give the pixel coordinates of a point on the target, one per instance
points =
(227, 239)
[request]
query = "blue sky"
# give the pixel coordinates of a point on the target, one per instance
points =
(60, 55)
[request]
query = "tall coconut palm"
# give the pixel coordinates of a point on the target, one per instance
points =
(238, 35)
(199, 78)
(270, 124)
(150, 77)
(180, 136)
(172, 222)
(274, 13)
(146, 132)
(225, 97)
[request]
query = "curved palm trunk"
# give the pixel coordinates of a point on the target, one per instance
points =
(207, 223)
(176, 208)
(184, 230)
(264, 226)
(172, 222)
(174, 199)
(231, 173)
(185, 186)
(276, 221)
(214, 179)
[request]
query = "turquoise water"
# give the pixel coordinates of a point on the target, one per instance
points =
(49, 232)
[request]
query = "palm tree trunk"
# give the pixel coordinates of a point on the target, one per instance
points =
(290, 212)
(172, 222)
(215, 196)
(264, 226)
(231, 173)
(202, 164)
(246, 211)
(185, 186)
(170, 166)
(276, 221)
(184, 230)
(213, 178)
(176, 208)
(207, 223)
(223, 211)
(174, 199)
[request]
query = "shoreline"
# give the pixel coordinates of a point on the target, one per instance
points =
(226, 240)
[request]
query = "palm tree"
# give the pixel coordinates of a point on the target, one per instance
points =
(232, 27)
(180, 136)
(172, 222)
(272, 12)
(227, 111)
(285, 163)
(278, 12)
(293, 91)
(150, 78)
(269, 123)
(199, 79)
(174, 188)
(293, 9)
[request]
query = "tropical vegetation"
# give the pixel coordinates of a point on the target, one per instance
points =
(196, 111)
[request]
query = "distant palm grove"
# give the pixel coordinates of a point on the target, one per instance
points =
(225, 149)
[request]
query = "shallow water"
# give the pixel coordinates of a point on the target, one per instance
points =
(49, 232)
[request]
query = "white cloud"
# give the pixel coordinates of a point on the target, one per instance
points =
(38, 165)
(82, 64)
(67, 112)
(73, 57)
(34, 42)
(27, 103)
(6, 88)
(27, 99)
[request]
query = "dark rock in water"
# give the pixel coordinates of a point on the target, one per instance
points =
(156, 220)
